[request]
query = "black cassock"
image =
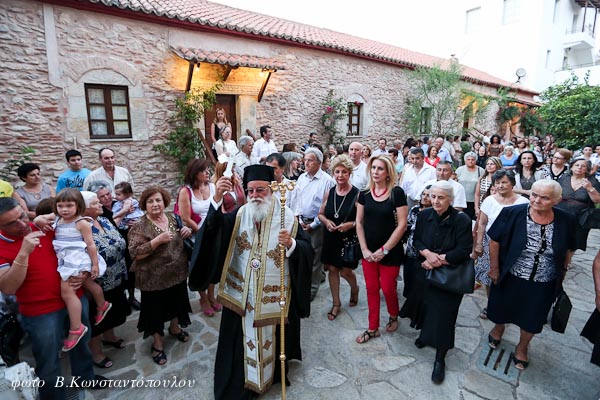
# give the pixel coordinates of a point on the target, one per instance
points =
(207, 262)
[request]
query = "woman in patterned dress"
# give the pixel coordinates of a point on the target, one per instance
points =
(111, 246)
(529, 253)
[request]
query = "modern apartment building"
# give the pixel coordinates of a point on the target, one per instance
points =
(535, 42)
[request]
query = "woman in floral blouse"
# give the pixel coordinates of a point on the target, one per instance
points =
(111, 246)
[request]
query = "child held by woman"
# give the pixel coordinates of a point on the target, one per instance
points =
(77, 253)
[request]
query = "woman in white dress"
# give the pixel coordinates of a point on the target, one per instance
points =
(504, 182)
(226, 145)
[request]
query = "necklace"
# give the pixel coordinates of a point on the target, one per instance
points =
(161, 223)
(336, 210)
(382, 193)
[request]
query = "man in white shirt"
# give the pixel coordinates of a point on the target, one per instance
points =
(381, 143)
(443, 152)
(244, 157)
(307, 197)
(265, 145)
(414, 177)
(108, 171)
(443, 173)
(359, 177)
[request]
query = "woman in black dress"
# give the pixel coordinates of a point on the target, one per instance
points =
(414, 275)
(442, 237)
(579, 191)
(337, 214)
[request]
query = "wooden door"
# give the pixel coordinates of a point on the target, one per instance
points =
(227, 102)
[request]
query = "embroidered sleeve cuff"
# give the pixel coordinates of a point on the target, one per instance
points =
(289, 251)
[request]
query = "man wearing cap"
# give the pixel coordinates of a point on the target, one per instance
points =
(248, 268)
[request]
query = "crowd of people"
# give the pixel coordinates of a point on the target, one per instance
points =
(75, 253)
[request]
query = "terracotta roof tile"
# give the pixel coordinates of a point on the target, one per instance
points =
(232, 19)
(234, 60)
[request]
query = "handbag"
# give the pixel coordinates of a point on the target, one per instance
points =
(188, 244)
(561, 312)
(195, 217)
(589, 218)
(459, 278)
(351, 252)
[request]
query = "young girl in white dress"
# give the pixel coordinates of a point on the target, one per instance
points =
(77, 253)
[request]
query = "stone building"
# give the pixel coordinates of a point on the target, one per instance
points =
(88, 74)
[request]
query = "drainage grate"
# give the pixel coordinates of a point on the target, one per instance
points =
(498, 362)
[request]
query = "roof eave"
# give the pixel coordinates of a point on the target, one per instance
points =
(201, 26)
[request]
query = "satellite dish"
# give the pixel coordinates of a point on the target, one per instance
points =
(520, 72)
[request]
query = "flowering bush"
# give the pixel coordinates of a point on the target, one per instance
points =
(334, 109)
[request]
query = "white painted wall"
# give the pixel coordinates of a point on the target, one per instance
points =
(534, 39)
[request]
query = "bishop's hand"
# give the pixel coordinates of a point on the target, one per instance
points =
(285, 238)
(223, 185)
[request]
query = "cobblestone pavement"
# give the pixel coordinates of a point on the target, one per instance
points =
(389, 367)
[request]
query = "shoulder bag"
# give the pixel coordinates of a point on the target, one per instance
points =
(589, 218)
(188, 244)
(458, 278)
(351, 253)
(561, 312)
(195, 217)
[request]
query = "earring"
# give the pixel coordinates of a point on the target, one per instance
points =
(387, 179)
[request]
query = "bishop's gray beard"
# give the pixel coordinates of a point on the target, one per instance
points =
(259, 208)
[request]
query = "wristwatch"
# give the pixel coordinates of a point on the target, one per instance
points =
(385, 251)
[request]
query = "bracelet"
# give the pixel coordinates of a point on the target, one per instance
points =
(21, 264)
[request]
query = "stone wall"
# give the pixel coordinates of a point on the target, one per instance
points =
(96, 48)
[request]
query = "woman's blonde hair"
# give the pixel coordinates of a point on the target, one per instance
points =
(344, 162)
(224, 115)
(389, 167)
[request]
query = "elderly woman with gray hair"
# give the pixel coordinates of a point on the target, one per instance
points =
(103, 191)
(468, 175)
(529, 252)
(111, 246)
(442, 238)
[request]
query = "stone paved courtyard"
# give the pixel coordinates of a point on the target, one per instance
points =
(389, 367)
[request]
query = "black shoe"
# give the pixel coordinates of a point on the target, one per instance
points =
(439, 372)
(134, 304)
(99, 382)
(419, 344)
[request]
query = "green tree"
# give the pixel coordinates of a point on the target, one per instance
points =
(571, 112)
(183, 143)
(438, 100)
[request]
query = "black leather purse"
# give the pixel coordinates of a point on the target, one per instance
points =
(453, 278)
(561, 312)
(351, 252)
(188, 244)
(589, 218)
(458, 278)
